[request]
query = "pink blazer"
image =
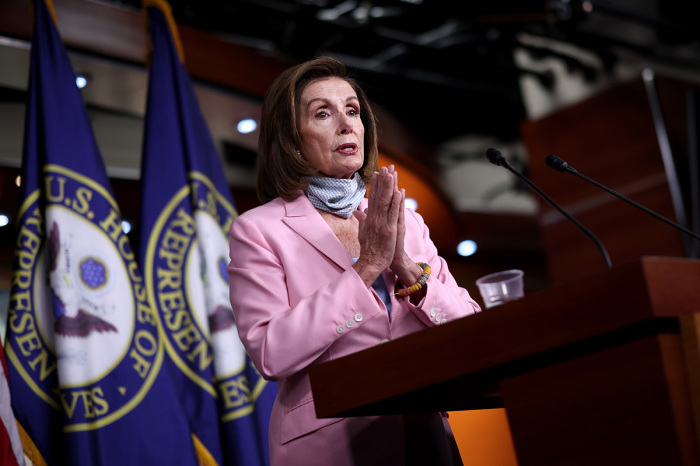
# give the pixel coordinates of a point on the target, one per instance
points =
(298, 302)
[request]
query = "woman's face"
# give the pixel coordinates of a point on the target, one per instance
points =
(332, 133)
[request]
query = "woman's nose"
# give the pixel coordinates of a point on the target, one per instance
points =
(345, 125)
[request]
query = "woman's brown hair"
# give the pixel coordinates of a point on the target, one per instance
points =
(281, 168)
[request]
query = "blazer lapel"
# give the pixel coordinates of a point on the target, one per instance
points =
(303, 218)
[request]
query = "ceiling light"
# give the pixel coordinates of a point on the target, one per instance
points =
(410, 203)
(466, 248)
(4, 220)
(81, 80)
(247, 126)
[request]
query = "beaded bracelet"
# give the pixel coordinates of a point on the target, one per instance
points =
(419, 284)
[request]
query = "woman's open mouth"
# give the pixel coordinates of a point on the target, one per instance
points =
(349, 148)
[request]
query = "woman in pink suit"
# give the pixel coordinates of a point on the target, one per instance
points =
(319, 271)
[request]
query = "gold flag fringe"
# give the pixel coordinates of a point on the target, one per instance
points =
(165, 8)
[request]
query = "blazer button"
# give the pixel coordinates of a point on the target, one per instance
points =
(438, 317)
(432, 312)
(350, 323)
(358, 317)
(340, 329)
(443, 321)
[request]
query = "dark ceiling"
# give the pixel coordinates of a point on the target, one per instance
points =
(446, 67)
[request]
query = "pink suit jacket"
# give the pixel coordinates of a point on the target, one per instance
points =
(298, 302)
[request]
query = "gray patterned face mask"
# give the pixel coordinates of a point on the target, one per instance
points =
(337, 196)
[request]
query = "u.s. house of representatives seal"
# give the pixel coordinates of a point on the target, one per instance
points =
(81, 331)
(185, 272)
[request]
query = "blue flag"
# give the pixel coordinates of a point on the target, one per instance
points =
(186, 212)
(85, 353)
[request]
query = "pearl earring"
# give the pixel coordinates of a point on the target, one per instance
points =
(298, 152)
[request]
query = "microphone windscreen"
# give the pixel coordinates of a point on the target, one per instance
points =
(495, 156)
(556, 163)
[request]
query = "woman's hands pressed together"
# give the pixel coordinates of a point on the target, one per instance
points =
(382, 231)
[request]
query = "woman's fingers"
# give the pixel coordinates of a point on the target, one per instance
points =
(380, 226)
(385, 199)
(400, 231)
(377, 227)
(384, 188)
(401, 209)
(381, 195)
(361, 216)
(381, 230)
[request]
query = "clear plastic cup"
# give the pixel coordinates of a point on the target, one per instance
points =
(501, 287)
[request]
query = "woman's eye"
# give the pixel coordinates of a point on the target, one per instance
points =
(322, 114)
(353, 112)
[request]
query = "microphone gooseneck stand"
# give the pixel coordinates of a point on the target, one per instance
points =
(560, 165)
(496, 158)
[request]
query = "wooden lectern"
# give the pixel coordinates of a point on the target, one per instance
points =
(601, 371)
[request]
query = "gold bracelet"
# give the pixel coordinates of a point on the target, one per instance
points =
(419, 284)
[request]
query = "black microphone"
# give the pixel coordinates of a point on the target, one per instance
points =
(496, 158)
(559, 165)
